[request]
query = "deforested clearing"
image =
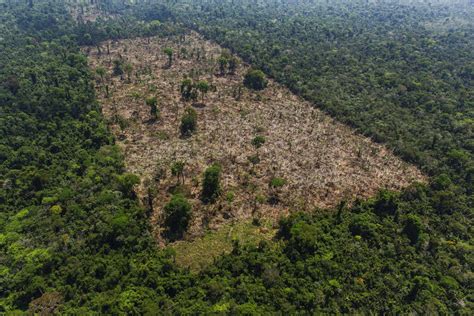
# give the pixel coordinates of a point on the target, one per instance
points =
(255, 136)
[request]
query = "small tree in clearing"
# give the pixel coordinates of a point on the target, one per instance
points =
(188, 122)
(101, 72)
(211, 184)
(169, 52)
(177, 216)
(223, 62)
(152, 103)
(203, 87)
(186, 89)
(118, 68)
(177, 170)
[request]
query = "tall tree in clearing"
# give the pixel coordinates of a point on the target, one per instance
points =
(169, 52)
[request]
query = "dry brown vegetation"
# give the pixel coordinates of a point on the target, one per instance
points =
(321, 160)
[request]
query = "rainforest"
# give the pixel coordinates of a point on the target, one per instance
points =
(244, 157)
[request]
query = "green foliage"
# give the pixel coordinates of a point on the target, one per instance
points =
(386, 203)
(152, 102)
(101, 72)
(413, 228)
(73, 235)
(127, 182)
(203, 87)
(230, 196)
(277, 182)
(177, 216)
(255, 79)
(169, 52)
(223, 62)
(364, 225)
(118, 68)
(211, 184)
(233, 64)
(70, 223)
(188, 122)
(128, 67)
(177, 170)
(188, 91)
(258, 141)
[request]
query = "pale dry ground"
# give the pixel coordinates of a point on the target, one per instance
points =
(323, 161)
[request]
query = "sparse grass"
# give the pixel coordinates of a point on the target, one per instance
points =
(162, 135)
(201, 252)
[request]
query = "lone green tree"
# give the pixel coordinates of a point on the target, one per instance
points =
(203, 87)
(177, 170)
(211, 184)
(169, 52)
(255, 80)
(188, 122)
(223, 62)
(152, 103)
(177, 216)
(100, 71)
(118, 68)
(187, 89)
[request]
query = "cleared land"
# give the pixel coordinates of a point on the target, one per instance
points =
(322, 161)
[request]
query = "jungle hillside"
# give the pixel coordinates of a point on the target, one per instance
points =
(239, 157)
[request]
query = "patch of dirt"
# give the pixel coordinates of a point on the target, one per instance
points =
(322, 161)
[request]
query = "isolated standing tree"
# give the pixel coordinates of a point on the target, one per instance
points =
(177, 216)
(169, 52)
(223, 61)
(152, 103)
(177, 170)
(188, 122)
(187, 89)
(203, 87)
(101, 72)
(211, 184)
(117, 70)
(255, 80)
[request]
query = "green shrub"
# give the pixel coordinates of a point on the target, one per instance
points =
(177, 216)
(211, 184)
(188, 122)
(258, 141)
(277, 182)
(255, 80)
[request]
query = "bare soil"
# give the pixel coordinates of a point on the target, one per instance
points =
(322, 161)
